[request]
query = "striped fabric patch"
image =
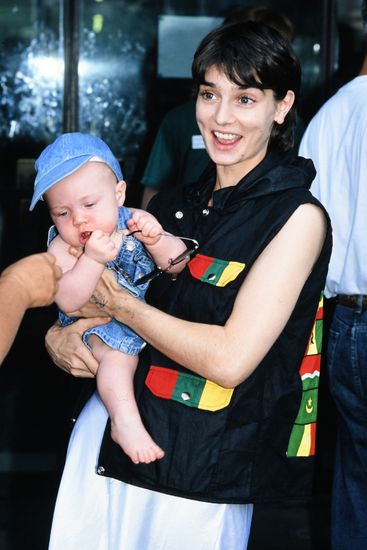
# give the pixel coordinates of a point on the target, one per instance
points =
(302, 440)
(187, 389)
(213, 270)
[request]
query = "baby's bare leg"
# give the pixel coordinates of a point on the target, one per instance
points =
(115, 385)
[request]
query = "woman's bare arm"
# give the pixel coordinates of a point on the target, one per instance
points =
(229, 354)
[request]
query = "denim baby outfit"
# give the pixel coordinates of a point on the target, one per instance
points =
(131, 263)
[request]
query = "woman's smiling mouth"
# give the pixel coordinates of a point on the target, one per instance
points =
(226, 138)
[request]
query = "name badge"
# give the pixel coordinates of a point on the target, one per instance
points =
(197, 142)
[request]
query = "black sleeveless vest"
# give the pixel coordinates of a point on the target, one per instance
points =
(254, 443)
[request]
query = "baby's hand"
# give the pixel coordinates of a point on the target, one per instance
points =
(150, 231)
(100, 247)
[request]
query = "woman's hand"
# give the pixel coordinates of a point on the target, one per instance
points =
(67, 350)
(108, 299)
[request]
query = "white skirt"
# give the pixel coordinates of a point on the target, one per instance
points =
(98, 513)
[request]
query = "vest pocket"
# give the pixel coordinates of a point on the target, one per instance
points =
(214, 271)
(187, 389)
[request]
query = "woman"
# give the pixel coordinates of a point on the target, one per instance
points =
(227, 385)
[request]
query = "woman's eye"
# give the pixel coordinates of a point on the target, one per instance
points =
(90, 205)
(207, 95)
(245, 100)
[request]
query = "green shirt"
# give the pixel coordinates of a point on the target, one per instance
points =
(178, 155)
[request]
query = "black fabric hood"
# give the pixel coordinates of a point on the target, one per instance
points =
(276, 172)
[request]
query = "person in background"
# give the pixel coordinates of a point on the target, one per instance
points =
(262, 14)
(27, 283)
(227, 384)
(336, 140)
(178, 155)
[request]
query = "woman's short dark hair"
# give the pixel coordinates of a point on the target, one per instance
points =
(253, 55)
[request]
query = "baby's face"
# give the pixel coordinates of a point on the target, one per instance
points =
(85, 201)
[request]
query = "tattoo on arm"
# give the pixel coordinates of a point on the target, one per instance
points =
(99, 301)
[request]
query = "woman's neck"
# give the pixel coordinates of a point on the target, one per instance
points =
(230, 175)
(227, 176)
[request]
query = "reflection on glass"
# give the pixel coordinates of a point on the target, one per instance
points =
(117, 37)
(31, 70)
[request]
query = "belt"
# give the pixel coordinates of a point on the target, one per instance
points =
(352, 300)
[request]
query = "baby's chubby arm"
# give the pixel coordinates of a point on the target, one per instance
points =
(81, 275)
(162, 246)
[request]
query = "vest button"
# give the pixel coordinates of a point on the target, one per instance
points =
(205, 212)
(179, 215)
(185, 396)
(100, 470)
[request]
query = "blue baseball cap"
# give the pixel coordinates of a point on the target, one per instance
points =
(66, 155)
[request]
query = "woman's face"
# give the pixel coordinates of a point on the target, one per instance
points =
(236, 122)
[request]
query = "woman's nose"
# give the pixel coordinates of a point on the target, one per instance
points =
(223, 114)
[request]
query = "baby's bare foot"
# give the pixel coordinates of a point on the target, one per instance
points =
(134, 440)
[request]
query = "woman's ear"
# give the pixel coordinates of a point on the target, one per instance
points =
(284, 106)
(120, 192)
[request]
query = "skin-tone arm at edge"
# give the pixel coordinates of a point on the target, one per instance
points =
(29, 282)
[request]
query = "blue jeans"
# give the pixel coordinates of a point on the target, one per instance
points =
(347, 365)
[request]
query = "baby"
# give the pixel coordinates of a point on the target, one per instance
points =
(82, 184)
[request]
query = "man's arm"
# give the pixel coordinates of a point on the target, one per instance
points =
(30, 282)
